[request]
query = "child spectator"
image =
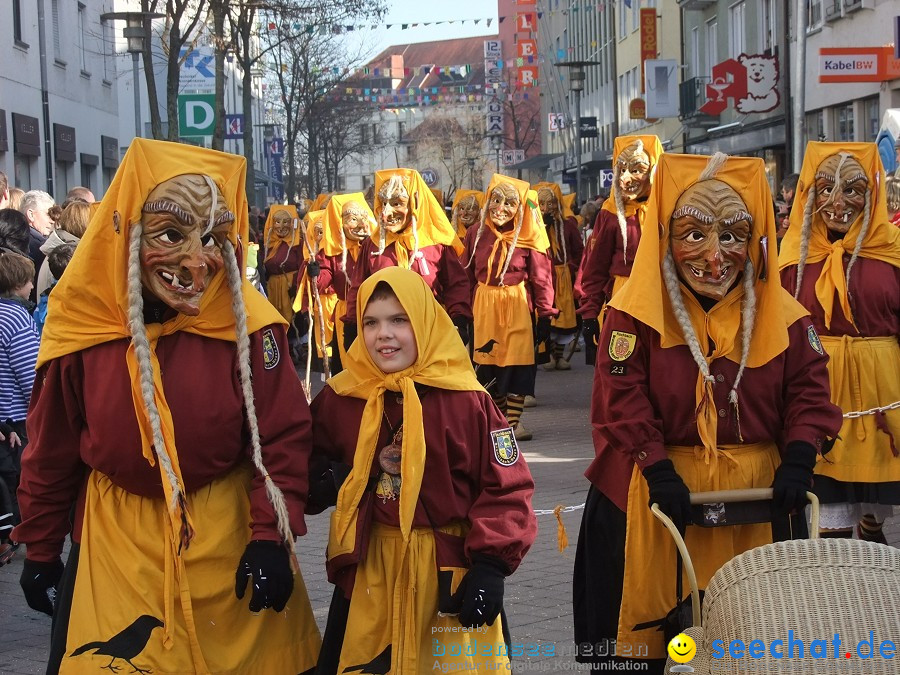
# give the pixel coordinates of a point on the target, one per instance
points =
(420, 541)
(57, 260)
(18, 354)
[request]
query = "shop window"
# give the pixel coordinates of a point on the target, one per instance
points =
(873, 118)
(844, 125)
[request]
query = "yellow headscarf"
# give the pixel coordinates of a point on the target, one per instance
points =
(458, 196)
(531, 234)
(271, 241)
(555, 246)
(644, 295)
(566, 205)
(438, 194)
(320, 201)
(882, 241)
(95, 282)
(432, 226)
(443, 363)
(310, 246)
(654, 149)
(333, 238)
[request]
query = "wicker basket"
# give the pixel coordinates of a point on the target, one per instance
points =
(816, 588)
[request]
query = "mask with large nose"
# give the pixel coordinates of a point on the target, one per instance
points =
(181, 241)
(841, 187)
(710, 234)
(633, 172)
(395, 212)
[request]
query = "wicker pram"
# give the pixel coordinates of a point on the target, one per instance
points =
(804, 590)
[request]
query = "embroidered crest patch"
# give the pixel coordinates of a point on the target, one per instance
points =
(814, 340)
(621, 345)
(506, 451)
(271, 355)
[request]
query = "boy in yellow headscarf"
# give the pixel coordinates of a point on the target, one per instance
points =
(153, 339)
(566, 249)
(413, 233)
(434, 514)
(708, 377)
(610, 251)
(841, 259)
(512, 279)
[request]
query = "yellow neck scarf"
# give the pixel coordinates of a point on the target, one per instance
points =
(644, 295)
(442, 363)
(882, 240)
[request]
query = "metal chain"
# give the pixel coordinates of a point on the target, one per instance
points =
(550, 512)
(871, 411)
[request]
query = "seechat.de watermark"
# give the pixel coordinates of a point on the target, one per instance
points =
(795, 648)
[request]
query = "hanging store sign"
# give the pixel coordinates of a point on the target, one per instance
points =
(493, 79)
(648, 39)
(637, 109)
(751, 81)
(857, 64)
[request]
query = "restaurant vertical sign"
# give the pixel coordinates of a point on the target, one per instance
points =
(493, 83)
(648, 39)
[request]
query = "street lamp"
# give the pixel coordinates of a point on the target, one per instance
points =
(135, 34)
(576, 84)
(497, 144)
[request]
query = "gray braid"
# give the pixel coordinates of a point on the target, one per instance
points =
(561, 239)
(478, 234)
(863, 231)
(343, 251)
(804, 236)
(673, 286)
(141, 344)
(415, 234)
(274, 493)
(520, 219)
(748, 321)
(381, 236)
(713, 166)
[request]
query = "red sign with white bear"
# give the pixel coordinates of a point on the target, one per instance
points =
(751, 81)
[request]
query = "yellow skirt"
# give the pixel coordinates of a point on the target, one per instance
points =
(329, 302)
(278, 290)
(650, 554)
(864, 373)
(503, 332)
(394, 605)
(564, 299)
(126, 571)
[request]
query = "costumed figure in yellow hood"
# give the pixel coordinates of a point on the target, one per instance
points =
(708, 377)
(467, 206)
(169, 343)
(348, 222)
(566, 249)
(433, 514)
(610, 252)
(841, 259)
(283, 262)
(512, 277)
(413, 233)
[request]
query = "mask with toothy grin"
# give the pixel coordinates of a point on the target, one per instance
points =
(841, 187)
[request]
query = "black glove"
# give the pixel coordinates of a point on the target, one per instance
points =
(590, 329)
(669, 491)
(312, 269)
(273, 581)
(463, 328)
(39, 581)
(349, 335)
(482, 592)
(542, 329)
(794, 477)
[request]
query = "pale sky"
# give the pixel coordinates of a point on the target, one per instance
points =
(418, 11)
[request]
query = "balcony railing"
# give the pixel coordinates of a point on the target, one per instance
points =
(692, 94)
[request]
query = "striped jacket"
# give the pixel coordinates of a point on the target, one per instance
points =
(19, 344)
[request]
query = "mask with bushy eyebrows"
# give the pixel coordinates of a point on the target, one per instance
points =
(710, 233)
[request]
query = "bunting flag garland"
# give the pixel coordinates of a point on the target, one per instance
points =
(337, 29)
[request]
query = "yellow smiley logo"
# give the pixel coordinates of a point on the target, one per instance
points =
(682, 648)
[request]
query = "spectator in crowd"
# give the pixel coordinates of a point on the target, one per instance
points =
(783, 206)
(892, 186)
(4, 191)
(80, 193)
(72, 223)
(14, 231)
(57, 261)
(19, 343)
(36, 205)
(16, 195)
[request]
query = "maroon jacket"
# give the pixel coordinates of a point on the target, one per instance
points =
(285, 262)
(438, 265)
(874, 298)
(530, 266)
(634, 414)
(604, 260)
(332, 279)
(574, 246)
(82, 417)
(462, 479)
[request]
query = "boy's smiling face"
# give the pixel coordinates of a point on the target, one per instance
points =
(388, 335)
